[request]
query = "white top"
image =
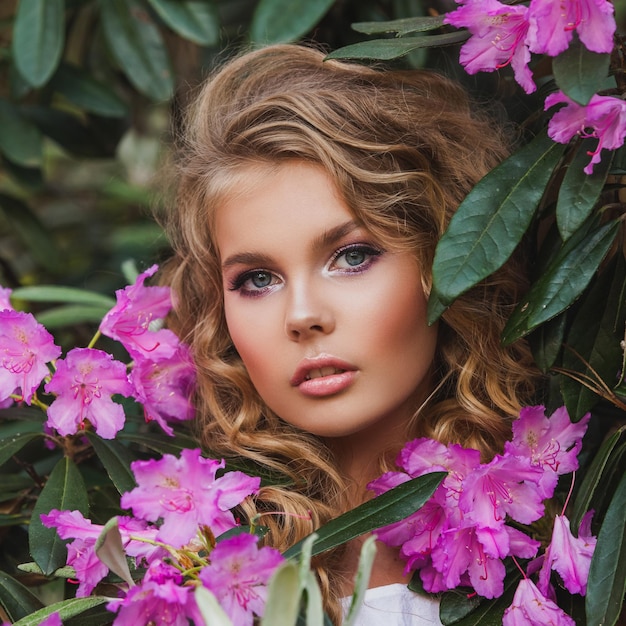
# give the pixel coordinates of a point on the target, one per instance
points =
(396, 605)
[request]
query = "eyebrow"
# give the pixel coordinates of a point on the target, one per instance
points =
(327, 238)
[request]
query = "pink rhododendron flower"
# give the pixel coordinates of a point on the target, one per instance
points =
(186, 494)
(238, 576)
(550, 443)
(165, 387)
(5, 299)
(130, 320)
(25, 348)
(531, 608)
(84, 383)
(603, 118)
(498, 38)
(159, 599)
(553, 22)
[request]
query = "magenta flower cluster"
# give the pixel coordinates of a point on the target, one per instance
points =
(84, 382)
(504, 34)
(472, 522)
(179, 505)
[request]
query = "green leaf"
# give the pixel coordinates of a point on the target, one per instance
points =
(402, 27)
(606, 585)
(33, 568)
(210, 609)
(12, 445)
(38, 38)
(546, 342)
(455, 605)
(20, 140)
(581, 73)
(387, 49)
(110, 550)
(283, 596)
(64, 490)
(390, 507)
(31, 231)
(564, 280)
(16, 599)
(363, 573)
(196, 20)
(579, 192)
(66, 608)
(70, 315)
(137, 45)
(84, 91)
(53, 293)
(280, 21)
(492, 219)
(159, 443)
(116, 459)
(595, 476)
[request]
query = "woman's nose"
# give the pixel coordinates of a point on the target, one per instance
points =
(308, 314)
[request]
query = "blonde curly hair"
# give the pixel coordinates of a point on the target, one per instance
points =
(403, 149)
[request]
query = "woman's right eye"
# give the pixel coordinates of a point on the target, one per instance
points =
(254, 282)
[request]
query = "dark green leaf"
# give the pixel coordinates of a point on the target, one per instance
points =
(607, 574)
(66, 608)
(579, 192)
(16, 599)
(70, 315)
(12, 445)
(546, 342)
(54, 293)
(492, 219)
(65, 490)
(29, 178)
(390, 507)
(594, 338)
(455, 605)
(564, 280)
(387, 49)
(580, 73)
(158, 442)
(137, 45)
(31, 231)
(20, 140)
(33, 568)
(402, 27)
(196, 20)
(279, 21)
(15, 519)
(84, 91)
(594, 479)
(116, 459)
(38, 38)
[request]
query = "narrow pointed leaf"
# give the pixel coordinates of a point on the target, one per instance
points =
(64, 490)
(20, 139)
(579, 192)
(546, 342)
(457, 604)
(12, 445)
(283, 597)
(281, 21)
(38, 38)
(565, 279)
(110, 551)
(16, 600)
(402, 27)
(137, 45)
(366, 562)
(390, 507)
(67, 609)
(210, 609)
(606, 586)
(387, 49)
(581, 73)
(491, 221)
(195, 20)
(70, 315)
(70, 295)
(116, 459)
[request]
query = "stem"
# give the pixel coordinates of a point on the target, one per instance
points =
(569, 493)
(94, 339)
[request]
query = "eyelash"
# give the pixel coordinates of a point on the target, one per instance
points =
(237, 284)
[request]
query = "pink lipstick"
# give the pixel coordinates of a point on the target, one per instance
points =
(322, 376)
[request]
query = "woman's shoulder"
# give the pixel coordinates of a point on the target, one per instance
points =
(397, 605)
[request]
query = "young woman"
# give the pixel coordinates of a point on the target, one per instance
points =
(311, 196)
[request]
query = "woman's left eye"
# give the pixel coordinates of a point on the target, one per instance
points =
(354, 258)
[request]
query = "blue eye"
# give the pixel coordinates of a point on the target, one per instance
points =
(260, 279)
(354, 258)
(254, 282)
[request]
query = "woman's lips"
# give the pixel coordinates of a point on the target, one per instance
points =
(323, 376)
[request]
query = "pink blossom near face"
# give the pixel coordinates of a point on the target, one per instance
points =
(603, 118)
(132, 319)
(5, 299)
(165, 388)
(84, 383)
(238, 576)
(186, 494)
(530, 608)
(553, 22)
(498, 38)
(25, 348)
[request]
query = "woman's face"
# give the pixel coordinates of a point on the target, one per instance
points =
(330, 326)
